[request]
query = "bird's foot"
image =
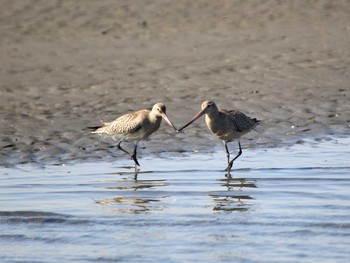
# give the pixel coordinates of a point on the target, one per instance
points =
(228, 175)
(136, 172)
(228, 168)
(133, 157)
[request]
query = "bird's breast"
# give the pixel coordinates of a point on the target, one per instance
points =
(149, 127)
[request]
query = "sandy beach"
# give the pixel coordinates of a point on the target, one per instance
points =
(67, 65)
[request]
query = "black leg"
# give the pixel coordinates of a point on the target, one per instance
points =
(120, 147)
(228, 175)
(133, 156)
(227, 152)
(228, 169)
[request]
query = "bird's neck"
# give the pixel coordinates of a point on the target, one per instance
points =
(212, 114)
(154, 118)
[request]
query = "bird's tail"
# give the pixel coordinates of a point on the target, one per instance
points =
(256, 122)
(93, 129)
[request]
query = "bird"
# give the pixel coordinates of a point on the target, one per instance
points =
(227, 125)
(135, 126)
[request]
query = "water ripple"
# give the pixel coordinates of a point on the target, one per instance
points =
(285, 204)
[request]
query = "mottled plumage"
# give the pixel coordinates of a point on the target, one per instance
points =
(227, 125)
(132, 126)
(135, 126)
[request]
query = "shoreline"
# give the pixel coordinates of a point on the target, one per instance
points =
(149, 153)
(154, 160)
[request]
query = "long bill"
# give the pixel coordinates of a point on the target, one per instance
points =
(168, 121)
(199, 114)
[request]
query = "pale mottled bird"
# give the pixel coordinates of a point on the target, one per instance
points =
(227, 125)
(135, 126)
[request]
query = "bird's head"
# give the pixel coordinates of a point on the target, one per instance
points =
(159, 110)
(208, 106)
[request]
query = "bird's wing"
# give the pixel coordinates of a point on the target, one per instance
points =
(128, 123)
(240, 121)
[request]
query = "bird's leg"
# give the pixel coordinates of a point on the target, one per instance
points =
(120, 147)
(227, 152)
(133, 156)
(228, 169)
(228, 175)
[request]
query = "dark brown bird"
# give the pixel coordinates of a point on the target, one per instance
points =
(135, 126)
(227, 125)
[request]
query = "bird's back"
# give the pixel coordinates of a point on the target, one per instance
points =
(131, 126)
(128, 123)
(230, 124)
(239, 120)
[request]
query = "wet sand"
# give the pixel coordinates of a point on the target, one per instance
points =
(65, 65)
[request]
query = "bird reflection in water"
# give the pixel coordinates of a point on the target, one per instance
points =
(127, 203)
(233, 199)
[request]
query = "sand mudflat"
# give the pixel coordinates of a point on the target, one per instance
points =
(66, 65)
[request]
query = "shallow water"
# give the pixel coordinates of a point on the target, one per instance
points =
(282, 205)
